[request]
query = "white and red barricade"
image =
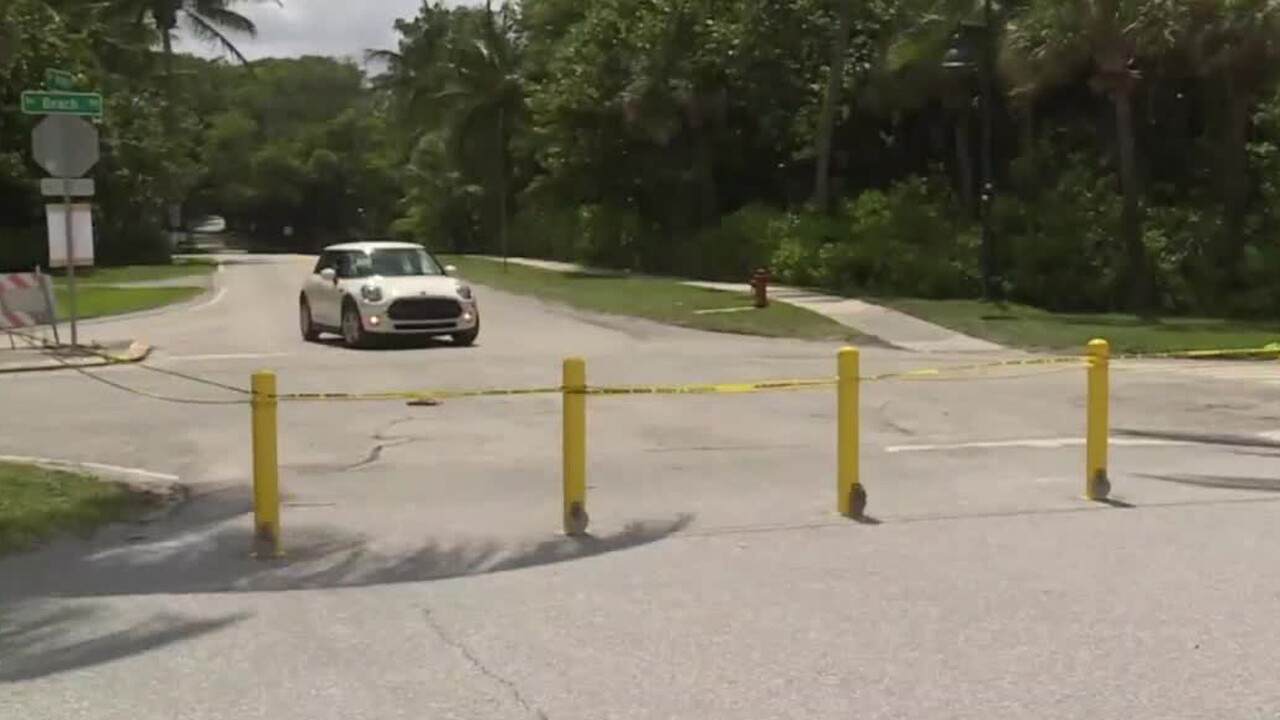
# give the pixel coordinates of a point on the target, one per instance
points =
(25, 300)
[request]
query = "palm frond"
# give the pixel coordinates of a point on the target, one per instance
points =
(204, 29)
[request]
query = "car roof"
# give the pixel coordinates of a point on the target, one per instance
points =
(367, 245)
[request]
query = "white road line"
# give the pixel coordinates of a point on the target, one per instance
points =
(217, 298)
(1044, 443)
(140, 472)
(222, 356)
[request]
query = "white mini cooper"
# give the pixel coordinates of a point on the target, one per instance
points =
(364, 289)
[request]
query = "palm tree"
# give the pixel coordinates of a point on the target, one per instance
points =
(910, 74)
(486, 90)
(1053, 37)
(1236, 47)
(209, 21)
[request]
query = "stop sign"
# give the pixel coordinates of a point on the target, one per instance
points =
(66, 146)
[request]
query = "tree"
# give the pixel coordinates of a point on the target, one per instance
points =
(1235, 46)
(209, 21)
(486, 96)
(1054, 37)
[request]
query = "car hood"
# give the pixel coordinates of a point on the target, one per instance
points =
(417, 285)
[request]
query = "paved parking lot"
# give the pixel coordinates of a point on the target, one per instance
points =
(426, 576)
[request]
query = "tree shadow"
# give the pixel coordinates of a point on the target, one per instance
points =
(1219, 482)
(1226, 439)
(37, 642)
(205, 549)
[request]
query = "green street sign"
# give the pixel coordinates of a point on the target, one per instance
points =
(59, 80)
(37, 102)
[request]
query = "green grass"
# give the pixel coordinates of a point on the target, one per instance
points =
(1027, 327)
(38, 503)
(659, 299)
(99, 301)
(189, 267)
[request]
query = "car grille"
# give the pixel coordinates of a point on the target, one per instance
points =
(424, 309)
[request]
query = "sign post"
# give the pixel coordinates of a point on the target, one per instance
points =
(66, 146)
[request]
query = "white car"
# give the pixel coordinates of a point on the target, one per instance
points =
(360, 290)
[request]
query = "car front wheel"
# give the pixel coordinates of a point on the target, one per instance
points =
(352, 329)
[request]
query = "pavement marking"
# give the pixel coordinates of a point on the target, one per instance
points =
(1041, 443)
(140, 472)
(217, 298)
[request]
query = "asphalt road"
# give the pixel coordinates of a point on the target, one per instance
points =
(426, 577)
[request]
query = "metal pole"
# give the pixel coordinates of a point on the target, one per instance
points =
(46, 286)
(986, 79)
(71, 260)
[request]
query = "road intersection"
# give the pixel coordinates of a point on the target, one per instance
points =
(425, 577)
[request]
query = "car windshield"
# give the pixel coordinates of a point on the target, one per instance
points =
(396, 262)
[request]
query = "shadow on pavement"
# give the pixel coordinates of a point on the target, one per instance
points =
(1220, 482)
(398, 342)
(1201, 438)
(35, 643)
(205, 549)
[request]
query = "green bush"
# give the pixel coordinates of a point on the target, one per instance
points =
(1056, 231)
(730, 250)
(543, 231)
(907, 240)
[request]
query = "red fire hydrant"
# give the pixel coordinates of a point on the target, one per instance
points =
(760, 286)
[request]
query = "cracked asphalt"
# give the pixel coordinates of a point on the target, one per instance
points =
(425, 576)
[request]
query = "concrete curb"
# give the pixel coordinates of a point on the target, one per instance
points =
(136, 352)
(171, 494)
(212, 288)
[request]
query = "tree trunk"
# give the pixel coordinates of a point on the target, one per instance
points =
(830, 106)
(964, 161)
(1235, 185)
(502, 184)
(1138, 274)
(169, 117)
(1027, 128)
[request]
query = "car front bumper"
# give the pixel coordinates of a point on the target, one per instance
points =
(383, 319)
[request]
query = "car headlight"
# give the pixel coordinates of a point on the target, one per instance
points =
(371, 293)
(464, 291)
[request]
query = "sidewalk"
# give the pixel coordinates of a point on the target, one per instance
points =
(890, 326)
(25, 358)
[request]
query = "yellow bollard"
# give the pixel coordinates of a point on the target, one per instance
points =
(574, 388)
(1097, 484)
(851, 497)
(266, 467)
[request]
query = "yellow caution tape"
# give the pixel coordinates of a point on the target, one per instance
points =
(952, 369)
(713, 388)
(932, 373)
(419, 394)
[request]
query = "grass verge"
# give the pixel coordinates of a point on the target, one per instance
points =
(99, 301)
(663, 300)
(1033, 328)
(181, 268)
(39, 503)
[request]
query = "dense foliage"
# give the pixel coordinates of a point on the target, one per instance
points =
(1136, 151)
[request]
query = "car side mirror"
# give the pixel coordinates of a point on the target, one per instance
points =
(450, 269)
(329, 274)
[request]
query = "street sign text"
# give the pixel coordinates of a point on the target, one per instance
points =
(38, 102)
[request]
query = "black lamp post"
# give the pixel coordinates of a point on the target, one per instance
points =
(973, 48)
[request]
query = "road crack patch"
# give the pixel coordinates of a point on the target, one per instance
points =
(459, 647)
(385, 441)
